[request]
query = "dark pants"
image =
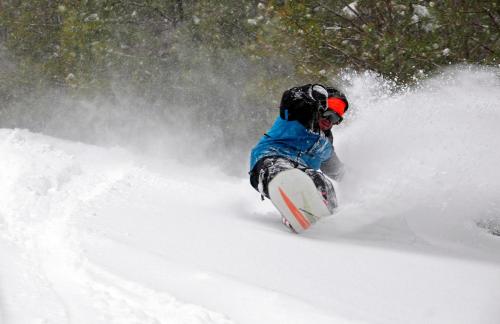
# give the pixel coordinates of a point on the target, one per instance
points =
(267, 168)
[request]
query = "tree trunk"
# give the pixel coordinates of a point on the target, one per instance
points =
(180, 10)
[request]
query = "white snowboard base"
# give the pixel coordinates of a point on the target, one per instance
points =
(297, 199)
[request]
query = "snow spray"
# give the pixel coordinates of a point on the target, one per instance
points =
(429, 154)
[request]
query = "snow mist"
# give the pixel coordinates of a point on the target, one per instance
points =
(428, 155)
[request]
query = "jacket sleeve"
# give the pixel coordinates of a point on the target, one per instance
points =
(333, 167)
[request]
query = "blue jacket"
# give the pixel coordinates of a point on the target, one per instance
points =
(290, 139)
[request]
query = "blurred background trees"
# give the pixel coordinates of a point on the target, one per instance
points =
(230, 60)
(398, 39)
(86, 44)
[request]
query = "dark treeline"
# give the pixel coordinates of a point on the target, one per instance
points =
(230, 59)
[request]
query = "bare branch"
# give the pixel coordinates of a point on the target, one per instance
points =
(355, 12)
(336, 14)
(488, 49)
(156, 9)
(493, 18)
(354, 60)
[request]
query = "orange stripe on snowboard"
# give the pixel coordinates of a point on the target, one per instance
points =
(295, 211)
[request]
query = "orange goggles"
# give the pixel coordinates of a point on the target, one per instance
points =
(337, 105)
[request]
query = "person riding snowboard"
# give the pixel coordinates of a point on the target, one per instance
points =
(301, 138)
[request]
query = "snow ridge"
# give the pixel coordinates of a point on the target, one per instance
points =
(42, 192)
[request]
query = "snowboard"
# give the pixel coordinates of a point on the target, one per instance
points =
(298, 200)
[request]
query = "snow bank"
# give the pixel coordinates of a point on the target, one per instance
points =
(46, 276)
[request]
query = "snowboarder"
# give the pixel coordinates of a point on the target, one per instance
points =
(301, 138)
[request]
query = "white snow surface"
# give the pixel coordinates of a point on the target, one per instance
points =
(420, 10)
(350, 11)
(100, 235)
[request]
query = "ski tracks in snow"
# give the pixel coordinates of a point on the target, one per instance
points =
(43, 194)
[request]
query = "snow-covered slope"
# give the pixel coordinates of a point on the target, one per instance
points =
(98, 235)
